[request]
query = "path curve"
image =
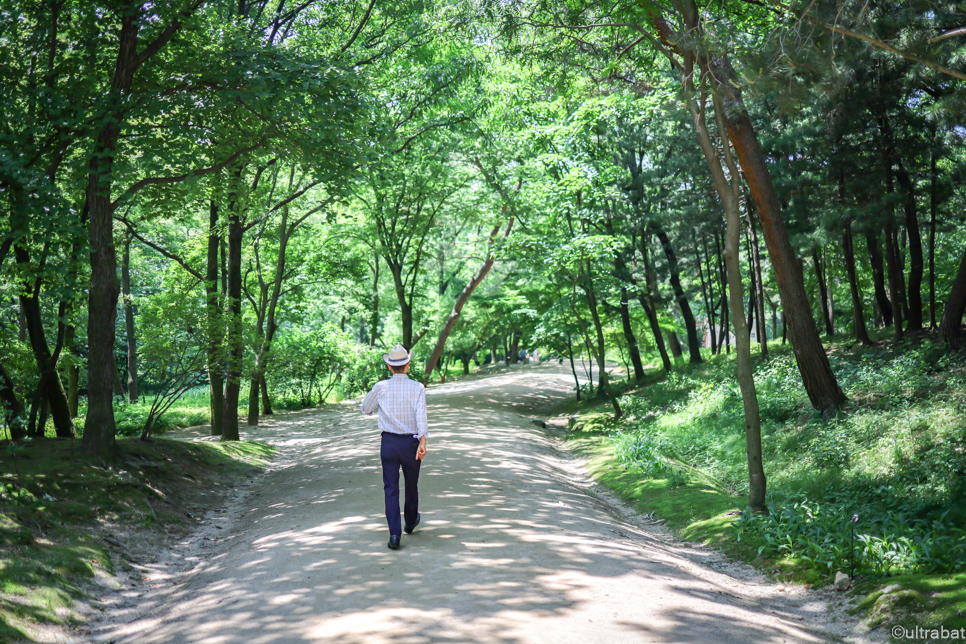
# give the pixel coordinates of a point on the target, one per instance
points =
(514, 547)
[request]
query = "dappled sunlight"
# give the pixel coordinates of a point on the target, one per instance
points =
(511, 548)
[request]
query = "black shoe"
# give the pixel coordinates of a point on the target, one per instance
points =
(409, 528)
(394, 542)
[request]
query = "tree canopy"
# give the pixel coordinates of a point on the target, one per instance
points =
(210, 194)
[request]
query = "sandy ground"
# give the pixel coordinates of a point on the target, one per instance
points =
(515, 546)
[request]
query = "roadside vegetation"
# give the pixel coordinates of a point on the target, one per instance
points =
(894, 458)
(66, 522)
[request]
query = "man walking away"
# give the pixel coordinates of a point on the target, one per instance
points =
(402, 419)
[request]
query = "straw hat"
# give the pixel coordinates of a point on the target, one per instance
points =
(397, 357)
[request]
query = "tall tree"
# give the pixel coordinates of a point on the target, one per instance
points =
(691, 327)
(129, 327)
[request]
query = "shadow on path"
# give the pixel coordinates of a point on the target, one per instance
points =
(512, 548)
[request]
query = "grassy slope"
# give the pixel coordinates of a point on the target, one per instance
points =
(889, 452)
(56, 514)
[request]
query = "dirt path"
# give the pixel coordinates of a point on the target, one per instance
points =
(515, 546)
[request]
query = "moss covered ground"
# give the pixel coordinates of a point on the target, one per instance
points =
(58, 511)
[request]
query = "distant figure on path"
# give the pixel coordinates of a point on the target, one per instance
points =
(402, 418)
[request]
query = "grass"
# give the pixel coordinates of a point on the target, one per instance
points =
(57, 510)
(190, 410)
(927, 601)
(895, 456)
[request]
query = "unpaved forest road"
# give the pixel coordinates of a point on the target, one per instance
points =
(514, 547)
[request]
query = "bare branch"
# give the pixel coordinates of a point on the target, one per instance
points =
(166, 35)
(878, 43)
(958, 31)
(361, 26)
(159, 249)
(151, 181)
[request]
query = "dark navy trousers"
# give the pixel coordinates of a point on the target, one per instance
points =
(399, 450)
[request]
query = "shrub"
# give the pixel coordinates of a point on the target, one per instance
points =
(820, 536)
(643, 454)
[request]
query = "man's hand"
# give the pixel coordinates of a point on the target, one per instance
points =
(421, 452)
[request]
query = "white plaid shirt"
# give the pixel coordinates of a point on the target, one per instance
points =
(401, 403)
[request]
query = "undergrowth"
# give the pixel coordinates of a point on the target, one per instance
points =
(894, 459)
(59, 510)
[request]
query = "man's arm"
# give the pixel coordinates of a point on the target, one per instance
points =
(422, 424)
(371, 402)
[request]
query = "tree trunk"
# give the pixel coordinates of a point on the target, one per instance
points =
(132, 351)
(31, 320)
(746, 381)
(724, 339)
(267, 325)
(253, 407)
(752, 288)
(933, 208)
(223, 249)
(774, 319)
(118, 382)
(949, 324)
(37, 398)
(21, 322)
(823, 293)
(515, 347)
(647, 303)
(894, 164)
(899, 236)
(374, 319)
(878, 276)
(235, 336)
(813, 364)
(14, 413)
(44, 412)
(464, 297)
(73, 373)
(708, 296)
(46, 361)
(728, 193)
(99, 427)
(674, 344)
(266, 399)
(632, 349)
(690, 326)
(603, 381)
(215, 321)
(892, 263)
(858, 317)
(405, 307)
(573, 368)
(829, 289)
(622, 273)
(756, 255)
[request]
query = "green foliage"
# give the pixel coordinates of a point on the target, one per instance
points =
(819, 536)
(48, 554)
(896, 457)
(131, 419)
(173, 352)
(643, 454)
(310, 364)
